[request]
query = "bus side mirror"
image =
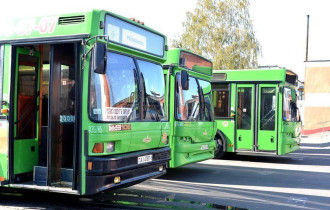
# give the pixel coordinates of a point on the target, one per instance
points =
(185, 80)
(99, 58)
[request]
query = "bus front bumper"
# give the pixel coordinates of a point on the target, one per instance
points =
(104, 173)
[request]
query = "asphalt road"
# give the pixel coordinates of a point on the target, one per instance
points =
(296, 181)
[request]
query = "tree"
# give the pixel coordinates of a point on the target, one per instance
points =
(222, 31)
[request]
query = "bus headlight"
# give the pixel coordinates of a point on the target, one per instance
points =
(110, 147)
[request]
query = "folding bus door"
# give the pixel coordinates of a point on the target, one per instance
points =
(267, 117)
(245, 117)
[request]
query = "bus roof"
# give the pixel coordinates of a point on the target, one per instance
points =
(255, 75)
(186, 59)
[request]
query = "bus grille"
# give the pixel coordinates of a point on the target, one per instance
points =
(71, 20)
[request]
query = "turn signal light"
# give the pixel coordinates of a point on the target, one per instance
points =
(4, 111)
(117, 179)
(230, 145)
(89, 166)
(98, 148)
(2, 179)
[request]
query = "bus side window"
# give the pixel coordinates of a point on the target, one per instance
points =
(221, 100)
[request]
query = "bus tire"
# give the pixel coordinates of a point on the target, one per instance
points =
(220, 143)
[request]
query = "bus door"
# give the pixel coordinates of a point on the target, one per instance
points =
(62, 112)
(245, 117)
(267, 117)
(26, 103)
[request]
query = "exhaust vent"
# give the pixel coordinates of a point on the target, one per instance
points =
(71, 20)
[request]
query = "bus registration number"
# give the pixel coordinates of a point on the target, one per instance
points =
(205, 147)
(144, 159)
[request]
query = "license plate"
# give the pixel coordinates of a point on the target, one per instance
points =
(144, 159)
(205, 147)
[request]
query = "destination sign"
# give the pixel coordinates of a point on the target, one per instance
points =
(128, 34)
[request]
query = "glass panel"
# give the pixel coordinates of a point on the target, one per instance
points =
(153, 84)
(187, 101)
(26, 97)
(113, 95)
(220, 86)
(133, 36)
(267, 108)
(286, 104)
(190, 60)
(67, 94)
(290, 109)
(221, 105)
(208, 113)
(244, 108)
(219, 77)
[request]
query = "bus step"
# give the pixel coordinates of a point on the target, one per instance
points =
(40, 174)
(66, 174)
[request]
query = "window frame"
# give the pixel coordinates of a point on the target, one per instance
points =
(229, 98)
(139, 89)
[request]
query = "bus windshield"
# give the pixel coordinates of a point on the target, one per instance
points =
(290, 109)
(114, 95)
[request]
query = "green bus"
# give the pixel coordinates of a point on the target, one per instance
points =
(82, 103)
(256, 111)
(191, 115)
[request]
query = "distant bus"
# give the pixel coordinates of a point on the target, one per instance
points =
(256, 111)
(82, 103)
(191, 115)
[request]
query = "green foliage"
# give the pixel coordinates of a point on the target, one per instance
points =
(222, 31)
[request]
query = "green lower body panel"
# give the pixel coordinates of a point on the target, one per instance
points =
(25, 155)
(289, 145)
(186, 153)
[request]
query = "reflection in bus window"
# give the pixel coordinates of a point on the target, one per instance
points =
(244, 108)
(267, 108)
(153, 84)
(187, 101)
(207, 96)
(113, 95)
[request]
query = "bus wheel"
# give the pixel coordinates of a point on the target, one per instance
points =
(218, 153)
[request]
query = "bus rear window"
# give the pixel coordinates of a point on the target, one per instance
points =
(125, 33)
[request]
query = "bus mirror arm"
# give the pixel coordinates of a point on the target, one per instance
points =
(99, 53)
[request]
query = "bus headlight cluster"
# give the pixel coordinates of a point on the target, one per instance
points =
(110, 147)
(186, 139)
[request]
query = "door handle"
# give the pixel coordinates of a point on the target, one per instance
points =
(240, 138)
(272, 139)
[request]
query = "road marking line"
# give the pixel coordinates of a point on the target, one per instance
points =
(298, 191)
(274, 166)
